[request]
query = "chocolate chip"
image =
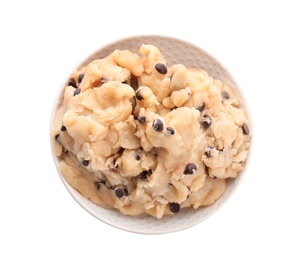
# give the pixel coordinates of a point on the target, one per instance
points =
(63, 128)
(58, 138)
(76, 92)
(141, 119)
(225, 95)
(170, 130)
(137, 157)
(208, 151)
(138, 95)
(72, 84)
(174, 207)
(206, 121)
(80, 78)
(201, 107)
(145, 174)
(64, 149)
(161, 68)
(119, 192)
(190, 168)
(158, 125)
(85, 162)
(245, 129)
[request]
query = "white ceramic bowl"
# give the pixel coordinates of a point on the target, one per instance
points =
(174, 51)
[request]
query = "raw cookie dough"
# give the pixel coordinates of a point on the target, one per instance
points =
(134, 134)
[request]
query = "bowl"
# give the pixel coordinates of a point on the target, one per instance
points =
(175, 51)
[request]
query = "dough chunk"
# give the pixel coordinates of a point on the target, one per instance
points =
(137, 135)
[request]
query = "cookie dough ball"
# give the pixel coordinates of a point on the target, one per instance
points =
(135, 134)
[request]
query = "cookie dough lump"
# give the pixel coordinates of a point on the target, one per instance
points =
(135, 134)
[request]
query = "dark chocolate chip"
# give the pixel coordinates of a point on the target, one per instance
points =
(76, 92)
(206, 121)
(174, 207)
(85, 162)
(58, 138)
(145, 174)
(138, 95)
(63, 128)
(225, 95)
(201, 107)
(190, 168)
(137, 157)
(245, 129)
(158, 125)
(208, 151)
(141, 119)
(170, 130)
(80, 78)
(161, 68)
(119, 192)
(72, 84)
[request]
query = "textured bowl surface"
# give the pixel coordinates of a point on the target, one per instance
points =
(175, 51)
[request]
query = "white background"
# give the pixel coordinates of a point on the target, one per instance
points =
(42, 41)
